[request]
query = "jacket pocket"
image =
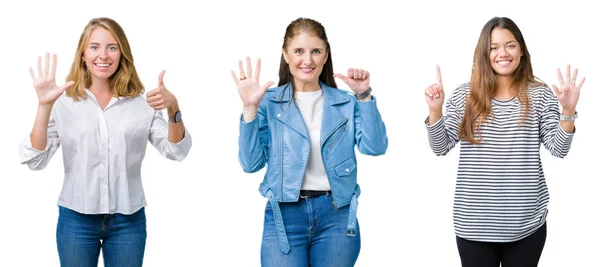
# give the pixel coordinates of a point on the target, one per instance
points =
(345, 168)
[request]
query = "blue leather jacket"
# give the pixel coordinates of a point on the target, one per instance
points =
(278, 137)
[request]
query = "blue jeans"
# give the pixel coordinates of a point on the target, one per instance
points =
(80, 237)
(316, 233)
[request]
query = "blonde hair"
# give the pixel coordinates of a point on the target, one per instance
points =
(124, 82)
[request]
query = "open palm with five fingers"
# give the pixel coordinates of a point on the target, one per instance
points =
(358, 79)
(568, 93)
(249, 88)
(45, 81)
(434, 94)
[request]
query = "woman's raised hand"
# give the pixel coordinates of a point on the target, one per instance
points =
(45, 81)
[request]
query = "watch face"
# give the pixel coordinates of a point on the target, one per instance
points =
(178, 116)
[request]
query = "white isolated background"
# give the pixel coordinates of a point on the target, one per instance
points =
(206, 211)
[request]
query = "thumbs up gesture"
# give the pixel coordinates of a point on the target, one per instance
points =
(160, 98)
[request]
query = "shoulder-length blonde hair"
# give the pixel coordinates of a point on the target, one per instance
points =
(125, 80)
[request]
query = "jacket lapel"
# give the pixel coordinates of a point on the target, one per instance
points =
(287, 112)
(332, 118)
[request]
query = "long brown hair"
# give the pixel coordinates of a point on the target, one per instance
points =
(484, 84)
(311, 26)
(125, 80)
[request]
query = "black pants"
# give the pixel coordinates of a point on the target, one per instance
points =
(523, 253)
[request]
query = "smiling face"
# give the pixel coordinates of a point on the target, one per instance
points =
(306, 55)
(102, 54)
(505, 52)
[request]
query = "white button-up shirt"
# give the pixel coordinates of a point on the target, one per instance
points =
(103, 151)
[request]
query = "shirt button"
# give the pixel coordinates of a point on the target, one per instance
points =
(347, 170)
(278, 115)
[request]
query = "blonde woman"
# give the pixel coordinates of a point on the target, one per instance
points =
(103, 123)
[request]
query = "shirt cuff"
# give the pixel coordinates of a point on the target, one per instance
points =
(27, 152)
(180, 149)
(436, 125)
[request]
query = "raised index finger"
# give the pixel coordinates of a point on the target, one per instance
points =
(438, 75)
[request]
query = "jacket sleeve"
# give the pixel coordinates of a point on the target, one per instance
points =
(370, 133)
(254, 140)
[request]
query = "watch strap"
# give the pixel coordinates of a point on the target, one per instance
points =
(568, 117)
(364, 94)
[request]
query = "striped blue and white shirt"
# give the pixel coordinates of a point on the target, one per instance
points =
(501, 193)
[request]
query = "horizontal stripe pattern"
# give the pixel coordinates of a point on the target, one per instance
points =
(501, 193)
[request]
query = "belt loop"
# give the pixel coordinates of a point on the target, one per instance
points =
(351, 230)
(283, 241)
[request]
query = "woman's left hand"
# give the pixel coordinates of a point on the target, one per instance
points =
(161, 98)
(568, 94)
(357, 79)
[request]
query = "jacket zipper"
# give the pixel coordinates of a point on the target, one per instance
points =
(281, 153)
(342, 129)
(323, 158)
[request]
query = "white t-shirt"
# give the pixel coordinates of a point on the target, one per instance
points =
(311, 107)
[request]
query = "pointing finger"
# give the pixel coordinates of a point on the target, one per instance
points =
(438, 75)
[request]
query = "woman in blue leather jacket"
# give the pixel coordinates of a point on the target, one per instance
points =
(305, 131)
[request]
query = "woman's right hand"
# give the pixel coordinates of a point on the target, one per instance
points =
(248, 86)
(45, 83)
(434, 94)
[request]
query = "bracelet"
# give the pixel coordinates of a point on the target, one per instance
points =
(363, 95)
(568, 118)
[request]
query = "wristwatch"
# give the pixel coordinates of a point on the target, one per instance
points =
(363, 95)
(568, 118)
(176, 118)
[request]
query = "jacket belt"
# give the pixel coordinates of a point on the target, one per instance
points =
(281, 235)
(351, 228)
